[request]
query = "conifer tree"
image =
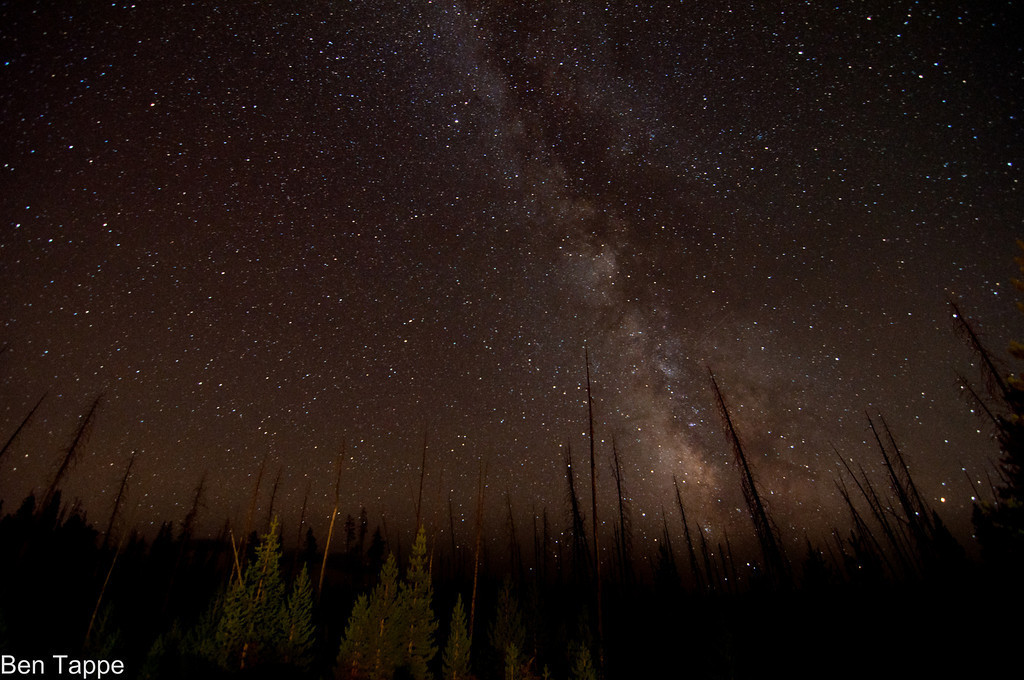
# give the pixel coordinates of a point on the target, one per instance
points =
(455, 660)
(251, 627)
(513, 663)
(580, 658)
(300, 633)
(415, 597)
(372, 645)
(583, 665)
(201, 641)
(508, 631)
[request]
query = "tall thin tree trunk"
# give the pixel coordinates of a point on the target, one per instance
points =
(103, 590)
(119, 499)
(423, 471)
(24, 424)
(243, 542)
(515, 555)
(709, 568)
(775, 558)
(625, 529)
(694, 567)
(456, 563)
(593, 516)
(273, 497)
(546, 545)
(580, 551)
(302, 525)
(187, 527)
(81, 434)
(334, 516)
(476, 549)
(234, 554)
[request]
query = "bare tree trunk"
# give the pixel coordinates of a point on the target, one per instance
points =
(273, 497)
(103, 590)
(767, 535)
(237, 564)
(694, 567)
(119, 499)
(625, 528)
(81, 434)
(580, 550)
(24, 424)
(252, 507)
(515, 554)
(593, 517)
(423, 471)
(334, 516)
(476, 549)
(451, 530)
(302, 524)
(187, 527)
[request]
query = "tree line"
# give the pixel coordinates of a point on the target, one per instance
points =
(184, 606)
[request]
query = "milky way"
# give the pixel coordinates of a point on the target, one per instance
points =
(263, 232)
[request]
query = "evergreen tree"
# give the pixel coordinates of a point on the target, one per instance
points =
(372, 645)
(300, 632)
(416, 595)
(583, 664)
(201, 640)
(508, 633)
(252, 626)
(455, 660)
(513, 663)
(581, 660)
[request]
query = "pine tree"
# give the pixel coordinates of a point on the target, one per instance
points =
(513, 663)
(251, 627)
(455, 660)
(372, 645)
(201, 641)
(416, 595)
(583, 665)
(300, 633)
(508, 633)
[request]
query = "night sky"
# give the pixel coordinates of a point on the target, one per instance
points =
(263, 231)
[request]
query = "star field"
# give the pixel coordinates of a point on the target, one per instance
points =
(263, 231)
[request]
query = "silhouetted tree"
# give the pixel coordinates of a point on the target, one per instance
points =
(1000, 523)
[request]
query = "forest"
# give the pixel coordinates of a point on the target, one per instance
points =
(891, 593)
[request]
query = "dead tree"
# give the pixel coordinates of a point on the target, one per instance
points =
(698, 577)
(273, 497)
(334, 516)
(476, 548)
(580, 551)
(81, 435)
(625, 533)
(24, 424)
(593, 516)
(119, 499)
(776, 565)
